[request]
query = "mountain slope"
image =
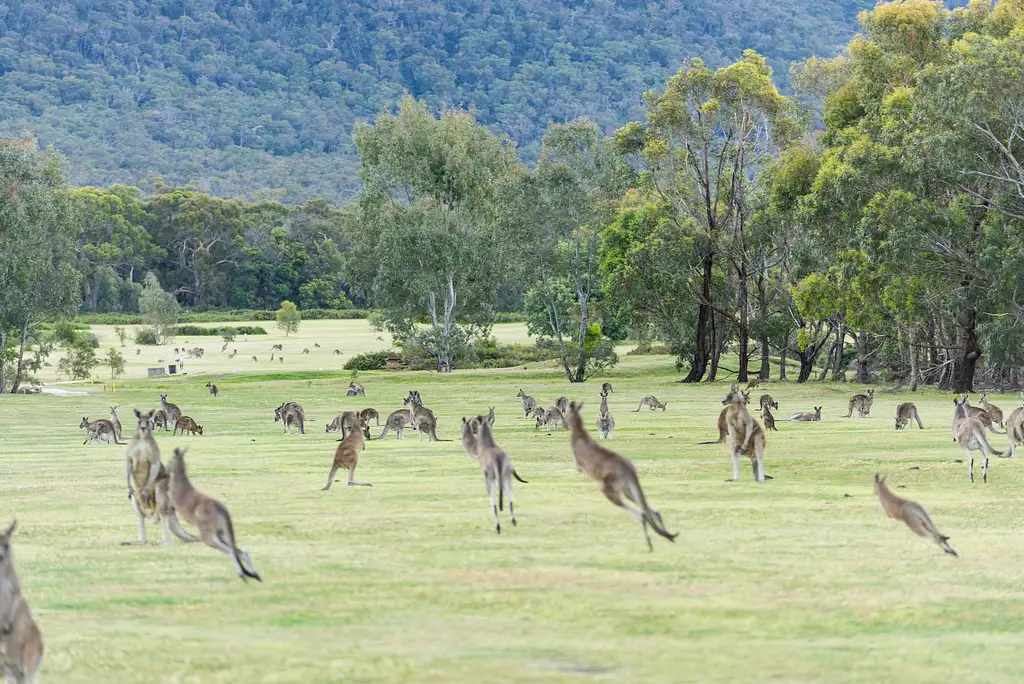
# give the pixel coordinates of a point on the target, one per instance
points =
(246, 95)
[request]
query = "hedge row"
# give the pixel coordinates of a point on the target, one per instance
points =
(227, 316)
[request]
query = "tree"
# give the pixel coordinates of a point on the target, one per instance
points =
(115, 360)
(432, 243)
(159, 309)
(288, 318)
(38, 225)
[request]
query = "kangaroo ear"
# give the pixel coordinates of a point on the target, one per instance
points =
(463, 420)
(10, 529)
(876, 478)
(137, 414)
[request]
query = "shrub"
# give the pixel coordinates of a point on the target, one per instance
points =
(199, 331)
(377, 360)
(492, 354)
(146, 336)
(224, 316)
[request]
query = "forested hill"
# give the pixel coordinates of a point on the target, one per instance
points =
(249, 95)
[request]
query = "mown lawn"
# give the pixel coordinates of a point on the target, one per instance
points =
(799, 579)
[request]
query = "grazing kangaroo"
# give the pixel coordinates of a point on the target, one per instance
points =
(497, 469)
(616, 475)
(148, 484)
(969, 433)
(345, 423)
(767, 399)
(767, 418)
(994, 412)
(397, 422)
(305, 351)
(538, 412)
(529, 404)
(21, 642)
(277, 347)
(607, 388)
(101, 431)
(551, 417)
(213, 389)
(337, 352)
(906, 412)
(605, 422)
(186, 423)
(291, 414)
(745, 435)
(316, 345)
(803, 417)
(347, 455)
(861, 403)
(210, 516)
(1015, 427)
(172, 410)
(911, 513)
(651, 402)
(368, 414)
(562, 404)
(355, 390)
(115, 422)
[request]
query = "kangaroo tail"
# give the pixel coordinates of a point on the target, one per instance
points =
(652, 518)
(516, 475)
(243, 571)
(720, 440)
(943, 542)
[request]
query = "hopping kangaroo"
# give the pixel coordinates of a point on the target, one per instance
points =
(803, 417)
(210, 516)
(861, 403)
(651, 402)
(994, 412)
(1015, 427)
(529, 404)
(906, 412)
(115, 422)
(186, 423)
(497, 469)
(347, 455)
(605, 422)
(172, 410)
(616, 474)
(101, 430)
(355, 390)
(148, 482)
(213, 389)
(911, 513)
(291, 414)
(21, 642)
(969, 433)
(745, 435)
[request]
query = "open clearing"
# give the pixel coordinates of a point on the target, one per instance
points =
(786, 581)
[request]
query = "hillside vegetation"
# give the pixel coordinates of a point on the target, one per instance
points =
(259, 98)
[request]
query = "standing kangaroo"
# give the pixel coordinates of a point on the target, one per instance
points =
(616, 474)
(213, 389)
(172, 410)
(994, 412)
(861, 403)
(606, 387)
(21, 642)
(347, 456)
(148, 482)
(116, 423)
(1015, 427)
(562, 404)
(651, 402)
(767, 418)
(911, 513)
(529, 404)
(745, 435)
(397, 422)
(423, 419)
(906, 412)
(969, 433)
(605, 422)
(767, 399)
(291, 414)
(210, 516)
(497, 469)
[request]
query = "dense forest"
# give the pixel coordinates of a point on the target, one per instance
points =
(888, 246)
(258, 99)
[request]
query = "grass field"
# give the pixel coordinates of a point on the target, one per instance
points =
(799, 579)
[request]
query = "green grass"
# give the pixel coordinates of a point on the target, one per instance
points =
(790, 580)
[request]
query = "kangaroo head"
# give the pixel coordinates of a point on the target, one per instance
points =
(880, 482)
(113, 409)
(5, 544)
(734, 397)
(200, 428)
(163, 398)
(177, 463)
(145, 422)
(871, 393)
(84, 423)
(817, 411)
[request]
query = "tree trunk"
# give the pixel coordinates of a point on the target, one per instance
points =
(714, 348)
(3, 364)
(762, 306)
(837, 360)
(21, 358)
(970, 352)
(743, 333)
(704, 313)
(828, 366)
(863, 375)
(782, 362)
(766, 369)
(915, 359)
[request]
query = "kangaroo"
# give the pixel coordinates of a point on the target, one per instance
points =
(345, 423)
(224, 347)
(397, 422)
(414, 398)
(148, 482)
(745, 435)
(423, 419)
(767, 418)
(210, 516)
(21, 642)
(159, 419)
(981, 414)
(468, 439)
(911, 513)
(906, 412)
(861, 403)
(994, 412)
(213, 389)
(969, 433)
(551, 417)
(254, 359)
(347, 455)
(752, 384)
(291, 414)
(101, 431)
(272, 354)
(186, 423)
(172, 410)
(305, 351)
(605, 422)
(1015, 427)
(368, 414)
(607, 388)
(529, 404)
(767, 399)
(115, 422)
(355, 390)
(803, 417)
(723, 428)
(562, 404)
(316, 345)
(616, 474)
(337, 352)
(497, 469)
(651, 402)
(538, 412)
(277, 347)
(233, 354)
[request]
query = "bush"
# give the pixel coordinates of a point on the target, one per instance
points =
(198, 331)
(491, 354)
(225, 316)
(377, 360)
(146, 336)
(509, 317)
